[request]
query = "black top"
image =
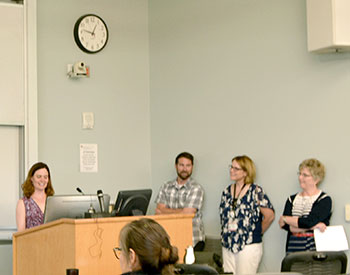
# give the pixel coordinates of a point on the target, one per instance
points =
(321, 211)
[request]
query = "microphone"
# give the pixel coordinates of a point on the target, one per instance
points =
(101, 200)
(91, 209)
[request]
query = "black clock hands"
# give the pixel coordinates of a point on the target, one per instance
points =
(87, 31)
(93, 32)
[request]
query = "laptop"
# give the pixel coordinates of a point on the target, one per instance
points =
(72, 206)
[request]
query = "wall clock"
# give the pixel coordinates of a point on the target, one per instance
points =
(90, 33)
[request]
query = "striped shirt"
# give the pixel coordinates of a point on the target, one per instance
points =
(311, 210)
(302, 204)
(188, 195)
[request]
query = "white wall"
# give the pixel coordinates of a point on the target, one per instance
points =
(217, 78)
(234, 77)
(117, 93)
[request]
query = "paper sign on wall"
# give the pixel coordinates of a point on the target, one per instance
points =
(88, 158)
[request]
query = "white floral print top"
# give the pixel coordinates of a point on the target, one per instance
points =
(246, 217)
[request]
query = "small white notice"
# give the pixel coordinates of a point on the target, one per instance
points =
(88, 158)
(332, 239)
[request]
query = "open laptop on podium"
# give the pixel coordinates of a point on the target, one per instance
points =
(72, 206)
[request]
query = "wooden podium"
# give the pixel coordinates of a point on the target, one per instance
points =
(86, 244)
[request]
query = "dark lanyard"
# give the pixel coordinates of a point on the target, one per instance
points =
(234, 204)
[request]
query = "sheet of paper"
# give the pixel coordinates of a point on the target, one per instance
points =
(332, 239)
(88, 158)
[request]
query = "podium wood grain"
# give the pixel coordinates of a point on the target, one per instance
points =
(86, 244)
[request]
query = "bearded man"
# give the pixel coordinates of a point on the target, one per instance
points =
(184, 195)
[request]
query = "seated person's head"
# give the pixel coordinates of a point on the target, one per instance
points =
(145, 246)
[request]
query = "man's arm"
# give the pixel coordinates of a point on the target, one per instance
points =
(163, 209)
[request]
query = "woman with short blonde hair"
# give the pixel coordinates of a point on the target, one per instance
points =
(309, 209)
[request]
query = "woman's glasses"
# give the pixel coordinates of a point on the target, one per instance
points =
(303, 175)
(117, 252)
(234, 168)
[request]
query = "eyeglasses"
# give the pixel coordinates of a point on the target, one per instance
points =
(234, 168)
(117, 252)
(303, 175)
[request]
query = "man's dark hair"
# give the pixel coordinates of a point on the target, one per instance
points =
(184, 155)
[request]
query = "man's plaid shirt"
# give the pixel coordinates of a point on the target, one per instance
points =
(188, 195)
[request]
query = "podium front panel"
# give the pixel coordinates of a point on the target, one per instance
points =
(86, 244)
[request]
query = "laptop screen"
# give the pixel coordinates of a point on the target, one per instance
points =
(72, 206)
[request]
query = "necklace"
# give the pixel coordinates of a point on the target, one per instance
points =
(234, 195)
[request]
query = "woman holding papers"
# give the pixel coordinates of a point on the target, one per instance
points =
(30, 209)
(307, 210)
(144, 248)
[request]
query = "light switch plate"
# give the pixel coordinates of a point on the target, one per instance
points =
(347, 212)
(88, 120)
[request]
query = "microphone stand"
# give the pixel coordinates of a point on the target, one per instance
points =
(91, 213)
(103, 213)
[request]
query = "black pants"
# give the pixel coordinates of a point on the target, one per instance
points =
(199, 246)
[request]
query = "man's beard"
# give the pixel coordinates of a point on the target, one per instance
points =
(184, 175)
